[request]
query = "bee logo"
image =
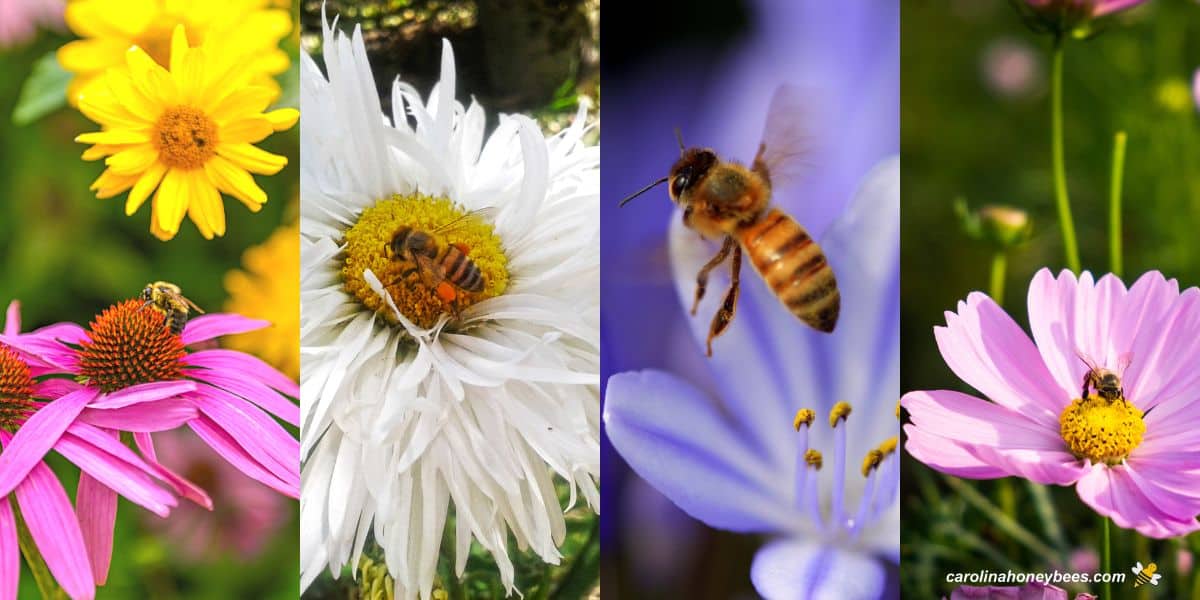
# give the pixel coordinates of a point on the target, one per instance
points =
(1144, 575)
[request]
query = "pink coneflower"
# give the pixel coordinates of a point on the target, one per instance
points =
(36, 417)
(245, 513)
(1196, 88)
(1132, 457)
(129, 356)
(19, 19)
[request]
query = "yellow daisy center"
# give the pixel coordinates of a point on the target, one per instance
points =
(185, 137)
(1102, 430)
(16, 390)
(460, 261)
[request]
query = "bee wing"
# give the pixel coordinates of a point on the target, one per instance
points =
(1137, 568)
(487, 213)
(1154, 578)
(785, 138)
(1123, 362)
(1091, 364)
(190, 304)
(428, 265)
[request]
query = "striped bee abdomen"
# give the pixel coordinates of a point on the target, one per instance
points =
(794, 267)
(462, 271)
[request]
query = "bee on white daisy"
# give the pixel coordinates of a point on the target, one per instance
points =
(429, 384)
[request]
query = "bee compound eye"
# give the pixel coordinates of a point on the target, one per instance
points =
(680, 182)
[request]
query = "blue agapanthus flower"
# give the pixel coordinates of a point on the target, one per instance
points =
(734, 447)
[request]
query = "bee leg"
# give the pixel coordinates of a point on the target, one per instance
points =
(725, 313)
(702, 277)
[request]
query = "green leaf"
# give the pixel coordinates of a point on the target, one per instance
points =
(45, 91)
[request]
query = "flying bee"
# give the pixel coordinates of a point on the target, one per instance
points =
(1106, 383)
(727, 201)
(446, 266)
(166, 298)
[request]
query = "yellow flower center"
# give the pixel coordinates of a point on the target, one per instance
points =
(1100, 430)
(432, 258)
(185, 137)
(131, 343)
(16, 389)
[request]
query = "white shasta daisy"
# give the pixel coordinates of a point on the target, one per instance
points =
(417, 396)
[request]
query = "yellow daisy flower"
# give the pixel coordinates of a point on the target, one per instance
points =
(267, 289)
(189, 132)
(246, 28)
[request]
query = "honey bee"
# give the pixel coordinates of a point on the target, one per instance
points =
(725, 200)
(166, 298)
(1106, 383)
(447, 266)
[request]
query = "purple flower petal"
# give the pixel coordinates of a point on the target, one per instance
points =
(10, 553)
(792, 569)
(253, 391)
(12, 318)
(96, 505)
(234, 454)
(207, 327)
(182, 486)
(108, 460)
(254, 430)
(674, 437)
(240, 362)
(52, 524)
(155, 415)
(145, 392)
(37, 435)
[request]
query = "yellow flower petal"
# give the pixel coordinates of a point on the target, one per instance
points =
(246, 131)
(91, 55)
(283, 119)
(141, 190)
(206, 210)
(133, 160)
(241, 103)
(236, 182)
(109, 184)
(106, 109)
(119, 136)
(179, 48)
(172, 201)
(253, 159)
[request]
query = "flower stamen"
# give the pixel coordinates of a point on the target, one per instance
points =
(185, 137)
(424, 289)
(16, 389)
(129, 346)
(1101, 430)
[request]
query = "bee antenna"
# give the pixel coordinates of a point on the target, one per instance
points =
(642, 191)
(679, 138)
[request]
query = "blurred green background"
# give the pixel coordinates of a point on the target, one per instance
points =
(66, 256)
(549, 65)
(975, 119)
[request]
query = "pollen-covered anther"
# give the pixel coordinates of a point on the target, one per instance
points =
(814, 459)
(1102, 430)
(897, 410)
(840, 412)
(871, 461)
(185, 137)
(16, 389)
(435, 285)
(130, 343)
(804, 417)
(889, 446)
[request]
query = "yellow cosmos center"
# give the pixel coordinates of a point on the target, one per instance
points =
(185, 137)
(1100, 430)
(432, 258)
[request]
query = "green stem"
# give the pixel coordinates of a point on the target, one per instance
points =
(1114, 215)
(999, 268)
(1060, 169)
(45, 581)
(1106, 556)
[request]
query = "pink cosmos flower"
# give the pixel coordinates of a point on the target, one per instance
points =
(19, 19)
(1131, 458)
(245, 513)
(1061, 16)
(37, 416)
(1032, 591)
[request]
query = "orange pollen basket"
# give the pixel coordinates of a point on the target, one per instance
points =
(16, 389)
(130, 345)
